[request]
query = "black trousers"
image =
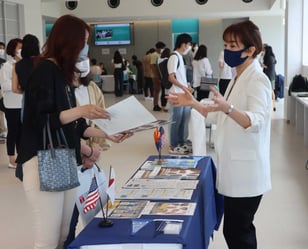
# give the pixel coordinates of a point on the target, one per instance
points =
(163, 99)
(72, 230)
(13, 130)
(148, 85)
(118, 82)
(238, 229)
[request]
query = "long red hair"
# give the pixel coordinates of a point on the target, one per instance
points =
(64, 43)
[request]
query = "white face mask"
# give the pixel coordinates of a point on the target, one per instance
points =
(83, 67)
(2, 53)
(187, 50)
(18, 53)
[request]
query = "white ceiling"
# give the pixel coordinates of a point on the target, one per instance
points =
(131, 10)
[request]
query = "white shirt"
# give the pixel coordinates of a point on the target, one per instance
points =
(201, 68)
(225, 72)
(11, 100)
(82, 95)
(180, 73)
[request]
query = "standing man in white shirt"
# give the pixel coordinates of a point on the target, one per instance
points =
(179, 116)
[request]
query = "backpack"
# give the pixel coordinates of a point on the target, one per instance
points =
(298, 84)
(164, 75)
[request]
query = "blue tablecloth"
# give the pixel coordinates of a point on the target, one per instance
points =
(196, 231)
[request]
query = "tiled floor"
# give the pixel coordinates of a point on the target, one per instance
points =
(281, 220)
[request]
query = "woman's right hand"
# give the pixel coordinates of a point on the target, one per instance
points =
(94, 112)
(181, 99)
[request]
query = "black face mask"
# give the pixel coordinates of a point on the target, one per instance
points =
(233, 58)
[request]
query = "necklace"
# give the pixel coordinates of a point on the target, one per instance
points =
(235, 79)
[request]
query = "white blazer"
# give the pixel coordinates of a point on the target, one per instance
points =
(243, 168)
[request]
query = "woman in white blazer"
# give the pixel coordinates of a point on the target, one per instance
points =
(243, 134)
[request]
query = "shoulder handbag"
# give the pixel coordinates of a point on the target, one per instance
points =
(206, 82)
(57, 166)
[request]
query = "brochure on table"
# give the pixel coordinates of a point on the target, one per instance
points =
(171, 162)
(168, 173)
(128, 115)
(161, 184)
(154, 194)
(170, 208)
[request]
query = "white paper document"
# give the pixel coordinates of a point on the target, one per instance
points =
(140, 183)
(128, 115)
(158, 194)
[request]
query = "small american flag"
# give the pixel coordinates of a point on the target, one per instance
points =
(92, 197)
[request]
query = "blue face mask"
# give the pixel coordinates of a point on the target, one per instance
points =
(83, 53)
(233, 58)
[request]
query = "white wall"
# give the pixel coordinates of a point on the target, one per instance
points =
(33, 17)
(293, 40)
(272, 31)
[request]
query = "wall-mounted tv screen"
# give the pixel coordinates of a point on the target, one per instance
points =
(113, 34)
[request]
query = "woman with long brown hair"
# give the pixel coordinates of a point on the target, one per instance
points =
(50, 93)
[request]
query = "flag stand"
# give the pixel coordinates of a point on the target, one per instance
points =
(104, 221)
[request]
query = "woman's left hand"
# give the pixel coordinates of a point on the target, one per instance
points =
(89, 155)
(118, 138)
(220, 104)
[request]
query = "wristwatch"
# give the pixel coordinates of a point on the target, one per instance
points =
(230, 109)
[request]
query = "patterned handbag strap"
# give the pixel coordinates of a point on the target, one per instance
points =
(59, 137)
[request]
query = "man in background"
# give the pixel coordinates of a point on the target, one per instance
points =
(148, 83)
(155, 74)
(179, 115)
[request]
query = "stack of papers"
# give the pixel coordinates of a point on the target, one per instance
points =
(128, 115)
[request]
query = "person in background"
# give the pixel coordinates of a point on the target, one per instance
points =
(225, 74)
(11, 100)
(155, 74)
(23, 68)
(201, 68)
(243, 133)
(179, 115)
(87, 92)
(188, 58)
(194, 48)
(164, 56)
(2, 118)
(138, 65)
(148, 82)
(269, 64)
(94, 68)
(96, 72)
(104, 70)
(50, 95)
(129, 76)
(2, 54)
(119, 67)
